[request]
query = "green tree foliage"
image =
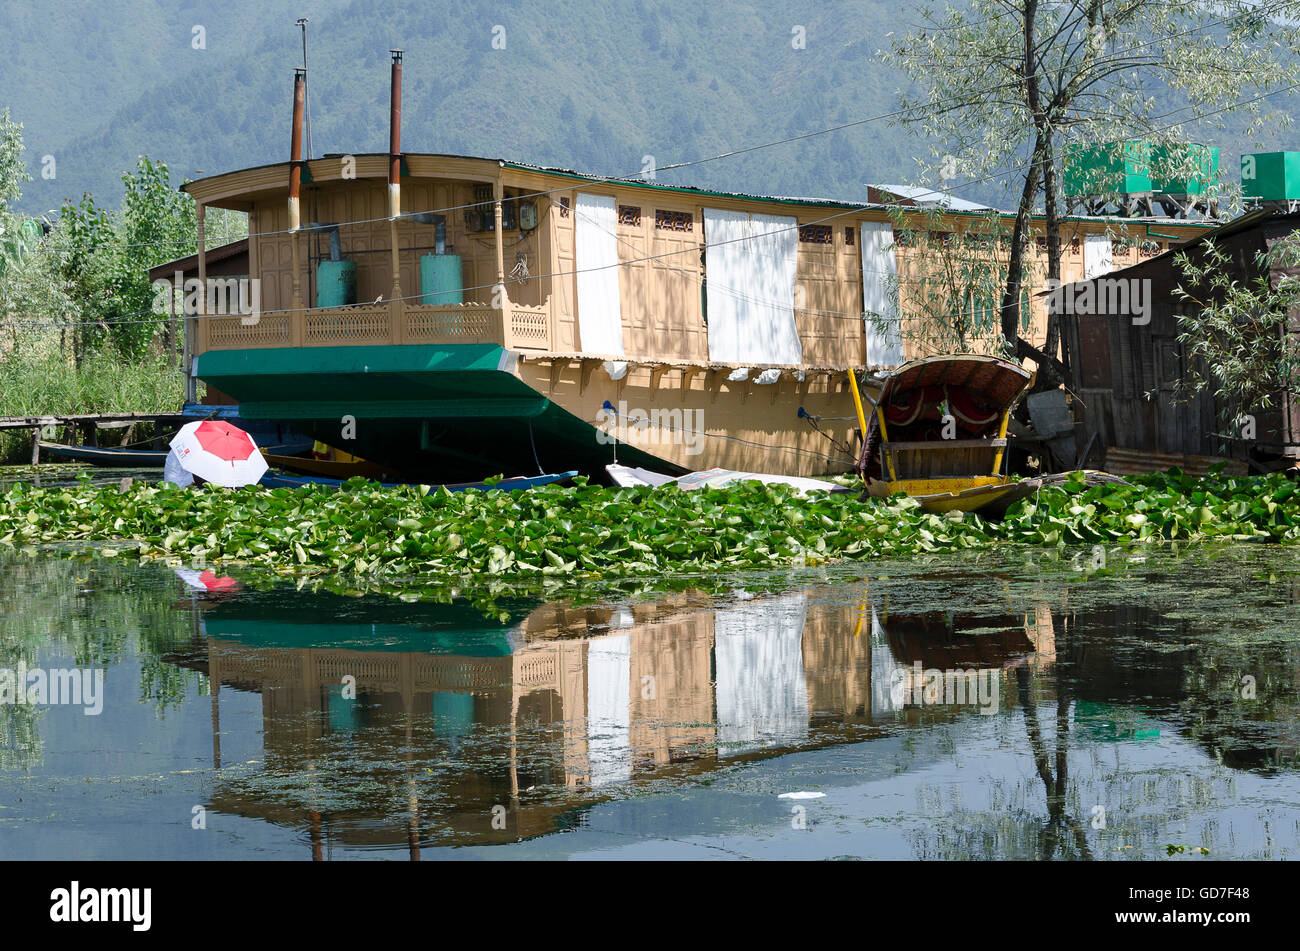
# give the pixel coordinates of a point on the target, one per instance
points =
(948, 294)
(106, 257)
(1001, 85)
(1239, 335)
(72, 338)
(12, 170)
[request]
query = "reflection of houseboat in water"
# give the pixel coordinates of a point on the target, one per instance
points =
(549, 706)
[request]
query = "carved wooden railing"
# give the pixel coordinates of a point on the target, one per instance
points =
(518, 327)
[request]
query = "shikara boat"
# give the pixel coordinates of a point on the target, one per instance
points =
(121, 457)
(111, 457)
(939, 434)
(939, 431)
(274, 480)
(333, 468)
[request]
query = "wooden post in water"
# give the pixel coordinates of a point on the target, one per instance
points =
(36, 445)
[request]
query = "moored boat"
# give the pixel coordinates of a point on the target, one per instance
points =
(938, 433)
(275, 480)
(334, 468)
(125, 457)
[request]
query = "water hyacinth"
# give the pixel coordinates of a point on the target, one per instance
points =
(591, 531)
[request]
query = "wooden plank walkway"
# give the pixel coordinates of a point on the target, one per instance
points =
(99, 419)
(86, 423)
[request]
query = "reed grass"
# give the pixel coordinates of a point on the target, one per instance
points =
(38, 381)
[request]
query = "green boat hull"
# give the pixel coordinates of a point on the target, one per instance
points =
(449, 413)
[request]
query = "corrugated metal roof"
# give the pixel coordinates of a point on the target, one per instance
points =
(928, 196)
(959, 207)
(690, 189)
(1237, 225)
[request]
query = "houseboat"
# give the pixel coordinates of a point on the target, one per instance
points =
(453, 316)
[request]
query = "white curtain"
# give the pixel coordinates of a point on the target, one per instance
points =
(879, 294)
(762, 695)
(1096, 256)
(600, 315)
(750, 263)
(609, 714)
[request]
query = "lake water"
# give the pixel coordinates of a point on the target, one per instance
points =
(1102, 714)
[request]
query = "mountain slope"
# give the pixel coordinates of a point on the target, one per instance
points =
(579, 84)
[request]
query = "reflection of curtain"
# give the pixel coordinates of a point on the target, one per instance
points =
(600, 316)
(750, 270)
(762, 695)
(609, 723)
(889, 681)
(1096, 256)
(879, 270)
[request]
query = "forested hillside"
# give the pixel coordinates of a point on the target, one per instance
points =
(593, 85)
(597, 86)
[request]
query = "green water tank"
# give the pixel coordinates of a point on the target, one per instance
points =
(440, 279)
(1203, 161)
(336, 283)
(1271, 176)
(1123, 167)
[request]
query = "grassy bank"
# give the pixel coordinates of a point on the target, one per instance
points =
(36, 381)
(589, 531)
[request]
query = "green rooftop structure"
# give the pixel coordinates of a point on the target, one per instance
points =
(1270, 176)
(1140, 177)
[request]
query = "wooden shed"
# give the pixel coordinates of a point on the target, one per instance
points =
(1130, 373)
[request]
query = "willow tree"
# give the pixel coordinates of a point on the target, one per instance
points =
(999, 86)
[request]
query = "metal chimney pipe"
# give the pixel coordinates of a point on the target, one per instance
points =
(395, 138)
(295, 178)
(295, 145)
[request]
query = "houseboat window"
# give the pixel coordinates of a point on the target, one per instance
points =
(564, 207)
(674, 220)
(905, 239)
(848, 236)
(629, 215)
(815, 234)
(941, 238)
(1075, 245)
(1149, 249)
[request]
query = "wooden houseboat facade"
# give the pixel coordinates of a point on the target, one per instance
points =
(498, 316)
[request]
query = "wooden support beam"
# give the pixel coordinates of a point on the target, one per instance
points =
(688, 374)
(714, 382)
(655, 375)
(584, 374)
(557, 369)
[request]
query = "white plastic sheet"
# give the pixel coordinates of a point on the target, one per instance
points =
(600, 314)
(879, 294)
(750, 262)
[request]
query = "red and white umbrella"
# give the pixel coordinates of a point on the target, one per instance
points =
(215, 451)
